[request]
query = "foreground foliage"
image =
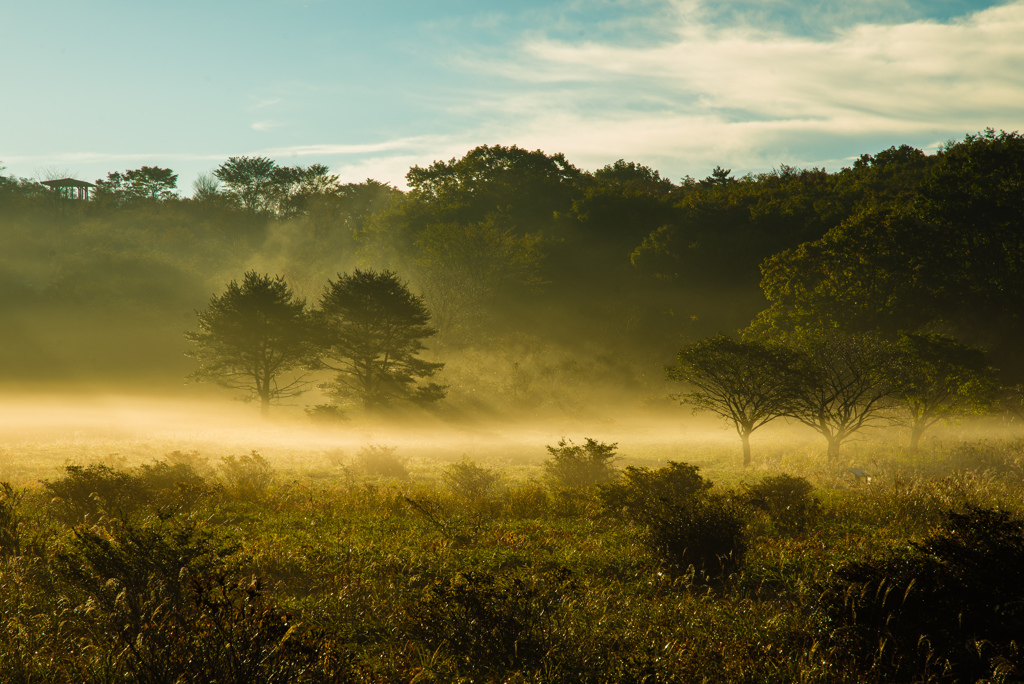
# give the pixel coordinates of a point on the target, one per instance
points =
(181, 570)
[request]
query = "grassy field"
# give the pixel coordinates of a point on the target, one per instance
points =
(212, 550)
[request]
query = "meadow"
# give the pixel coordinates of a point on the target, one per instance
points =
(154, 542)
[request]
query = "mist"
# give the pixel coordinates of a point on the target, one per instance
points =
(557, 296)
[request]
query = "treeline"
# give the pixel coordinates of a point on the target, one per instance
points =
(519, 252)
(839, 384)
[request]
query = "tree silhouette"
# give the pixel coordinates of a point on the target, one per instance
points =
(146, 183)
(254, 337)
(841, 385)
(373, 329)
(939, 378)
(738, 381)
(249, 179)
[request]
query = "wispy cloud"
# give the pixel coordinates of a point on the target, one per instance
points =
(265, 103)
(748, 92)
(265, 125)
(416, 143)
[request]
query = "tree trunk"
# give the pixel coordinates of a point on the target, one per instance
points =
(833, 448)
(916, 430)
(745, 437)
(264, 405)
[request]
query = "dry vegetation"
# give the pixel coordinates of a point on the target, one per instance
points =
(363, 556)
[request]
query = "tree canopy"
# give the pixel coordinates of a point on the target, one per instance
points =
(146, 183)
(940, 378)
(372, 331)
(740, 381)
(257, 336)
(930, 242)
(840, 385)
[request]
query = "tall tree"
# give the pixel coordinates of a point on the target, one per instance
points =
(925, 243)
(840, 385)
(257, 336)
(527, 186)
(940, 378)
(373, 330)
(293, 189)
(146, 183)
(249, 180)
(738, 381)
(859, 277)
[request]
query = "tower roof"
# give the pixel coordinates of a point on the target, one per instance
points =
(68, 183)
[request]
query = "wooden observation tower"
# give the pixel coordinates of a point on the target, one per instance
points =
(70, 188)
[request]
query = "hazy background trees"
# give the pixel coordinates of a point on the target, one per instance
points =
(547, 283)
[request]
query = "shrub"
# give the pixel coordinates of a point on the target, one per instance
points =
(528, 500)
(469, 480)
(575, 466)
(486, 620)
(704, 537)
(377, 460)
(162, 599)
(786, 499)
(89, 492)
(10, 521)
(248, 476)
(173, 485)
(198, 464)
(948, 608)
(641, 491)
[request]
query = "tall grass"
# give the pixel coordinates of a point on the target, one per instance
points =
(179, 570)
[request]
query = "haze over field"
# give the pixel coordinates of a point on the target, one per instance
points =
(572, 193)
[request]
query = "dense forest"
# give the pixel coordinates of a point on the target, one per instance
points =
(539, 278)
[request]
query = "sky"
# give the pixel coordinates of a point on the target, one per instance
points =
(371, 89)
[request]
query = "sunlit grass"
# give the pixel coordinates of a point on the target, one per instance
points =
(355, 553)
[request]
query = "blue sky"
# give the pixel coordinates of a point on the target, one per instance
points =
(372, 89)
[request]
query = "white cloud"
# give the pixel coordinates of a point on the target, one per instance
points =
(741, 93)
(330, 149)
(265, 103)
(264, 125)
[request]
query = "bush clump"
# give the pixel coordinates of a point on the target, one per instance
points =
(471, 481)
(575, 466)
(326, 413)
(786, 499)
(489, 621)
(950, 608)
(704, 538)
(377, 460)
(641, 490)
(86, 493)
(248, 476)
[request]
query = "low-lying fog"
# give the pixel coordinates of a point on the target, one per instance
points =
(41, 433)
